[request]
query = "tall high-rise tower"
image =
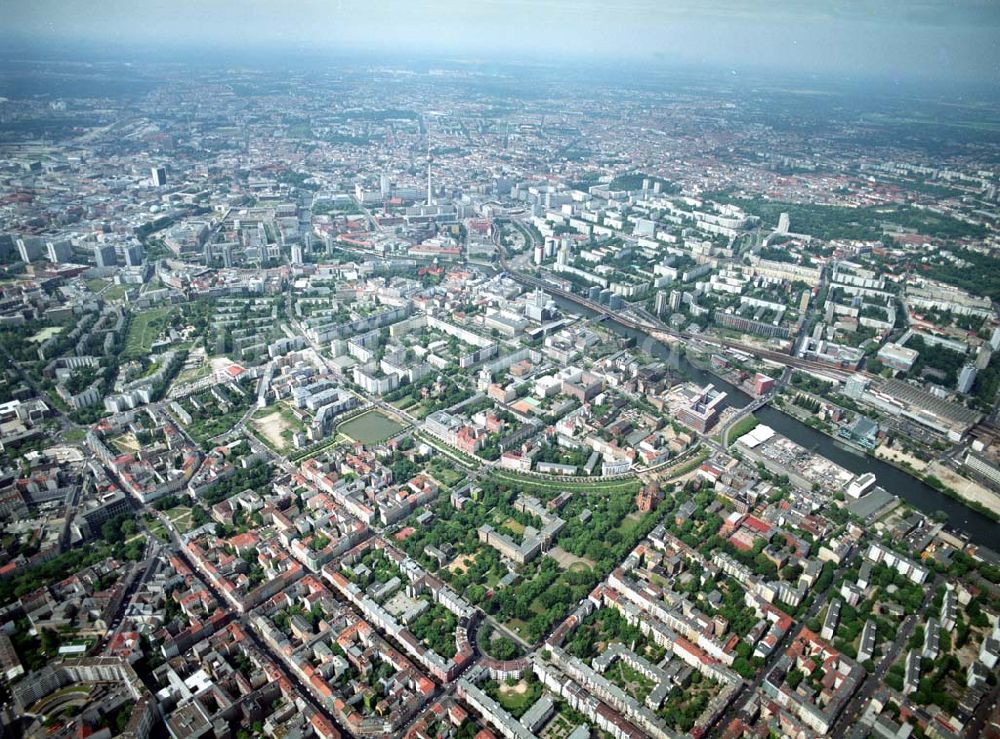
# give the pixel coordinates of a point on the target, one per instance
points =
(430, 190)
(104, 255)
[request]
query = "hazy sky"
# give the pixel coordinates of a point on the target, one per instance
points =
(933, 39)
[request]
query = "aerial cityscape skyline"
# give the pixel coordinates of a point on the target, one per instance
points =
(536, 370)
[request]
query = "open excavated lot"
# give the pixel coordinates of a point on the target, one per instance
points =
(272, 427)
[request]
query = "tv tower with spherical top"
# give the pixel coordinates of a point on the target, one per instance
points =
(430, 191)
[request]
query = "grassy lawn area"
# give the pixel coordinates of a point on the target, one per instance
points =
(125, 443)
(404, 403)
(115, 292)
(180, 517)
(516, 526)
(417, 410)
(371, 427)
(157, 529)
(444, 472)
(144, 330)
(516, 697)
(190, 375)
(629, 523)
(96, 284)
(743, 426)
(46, 333)
(513, 697)
(630, 680)
(75, 435)
(519, 627)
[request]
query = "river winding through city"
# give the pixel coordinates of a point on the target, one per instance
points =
(979, 528)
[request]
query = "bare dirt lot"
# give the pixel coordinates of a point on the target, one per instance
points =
(462, 563)
(569, 561)
(966, 488)
(272, 426)
(899, 457)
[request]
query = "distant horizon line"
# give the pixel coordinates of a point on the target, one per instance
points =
(19, 49)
